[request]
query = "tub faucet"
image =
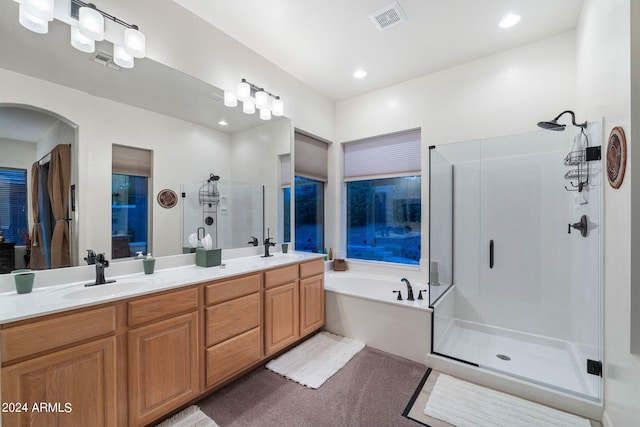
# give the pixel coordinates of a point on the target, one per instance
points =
(409, 289)
(101, 263)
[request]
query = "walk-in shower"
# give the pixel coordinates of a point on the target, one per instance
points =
(515, 239)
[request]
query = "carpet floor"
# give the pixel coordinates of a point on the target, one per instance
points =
(371, 390)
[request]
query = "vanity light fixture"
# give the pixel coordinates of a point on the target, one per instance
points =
(254, 97)
(35, 15)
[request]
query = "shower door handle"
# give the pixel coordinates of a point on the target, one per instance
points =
(491, 254)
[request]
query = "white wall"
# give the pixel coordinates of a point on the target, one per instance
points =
(503, 94)
(605, 79)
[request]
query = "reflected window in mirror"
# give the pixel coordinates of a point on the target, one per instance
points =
(286, 214)
(130, 201)
(13, 205)
(284, 198)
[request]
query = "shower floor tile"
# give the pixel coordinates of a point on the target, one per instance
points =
(540, 360)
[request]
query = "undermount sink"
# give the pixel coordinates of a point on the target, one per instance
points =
(106, 290)
(279, 256)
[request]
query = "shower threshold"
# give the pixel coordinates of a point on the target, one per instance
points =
(553, 363)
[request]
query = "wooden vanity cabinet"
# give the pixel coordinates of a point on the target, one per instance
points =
(233, 327)
(60, 370)
(311, 296)
(281, 308)
(163, 352)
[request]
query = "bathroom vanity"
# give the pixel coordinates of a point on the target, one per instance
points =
(131, 360)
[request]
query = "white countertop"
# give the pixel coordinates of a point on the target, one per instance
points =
(53, 299)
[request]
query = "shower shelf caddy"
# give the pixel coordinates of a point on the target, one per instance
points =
(579, 175)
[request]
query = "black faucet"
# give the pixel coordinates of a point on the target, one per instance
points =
(253, 241)
(101, 263)
(267, 243)
(409, 289)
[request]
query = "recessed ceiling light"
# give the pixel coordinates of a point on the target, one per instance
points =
(222, 123)
(509, 21)
(360, 74)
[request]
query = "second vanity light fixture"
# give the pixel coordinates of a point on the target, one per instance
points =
(35, 15)
(254, 97)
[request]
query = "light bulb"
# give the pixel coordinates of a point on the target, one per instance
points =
(248, 107)
(277, 107)
(262, 99)
(80, 42)
(134, 42)
(31, 22)
(91, 23)
(121, 57)
(230, 99)
(244, 91)
(265, 114)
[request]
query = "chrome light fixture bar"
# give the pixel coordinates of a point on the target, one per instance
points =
(35, 15)
(254, 97)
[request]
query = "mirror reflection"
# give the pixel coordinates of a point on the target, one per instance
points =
(231, 213)
(172, 116)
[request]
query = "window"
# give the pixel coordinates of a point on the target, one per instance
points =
(286, 214)
(384, 204)
(309, 181)
(309, 213)
(383, 219)
(13, 204)
(130, 207)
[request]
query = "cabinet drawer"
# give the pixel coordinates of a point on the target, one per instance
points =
(232, 356)
(233, 317)
(230, 289)
(48, 334)
(161, 306)
(311, 268)
(280, 276)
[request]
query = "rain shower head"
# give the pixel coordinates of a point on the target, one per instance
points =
(554, 125)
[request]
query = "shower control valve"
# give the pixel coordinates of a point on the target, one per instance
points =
(581, 225)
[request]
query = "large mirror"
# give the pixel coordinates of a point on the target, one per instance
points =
(49, 88)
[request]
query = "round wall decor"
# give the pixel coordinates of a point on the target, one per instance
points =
(616, 157)
(167, 198)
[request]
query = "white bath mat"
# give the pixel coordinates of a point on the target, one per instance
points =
(463, 404)
(316, 360)
(189, 417)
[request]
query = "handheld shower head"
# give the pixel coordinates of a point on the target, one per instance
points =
(554, 125)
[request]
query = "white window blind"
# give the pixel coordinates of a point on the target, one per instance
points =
(131, 161)
(285, 170)
(388, 155)
(310, 157)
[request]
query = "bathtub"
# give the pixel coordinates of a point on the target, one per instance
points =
(363, 306)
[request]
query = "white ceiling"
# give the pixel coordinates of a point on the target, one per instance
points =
(322, 42)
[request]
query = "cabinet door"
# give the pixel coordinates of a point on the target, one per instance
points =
(163, 367)
(311, 304)
(72, 387)
(282, 317)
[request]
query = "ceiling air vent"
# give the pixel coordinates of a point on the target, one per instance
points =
(388, 16)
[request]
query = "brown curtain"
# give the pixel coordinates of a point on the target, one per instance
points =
(37, 261)
(58, 186)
